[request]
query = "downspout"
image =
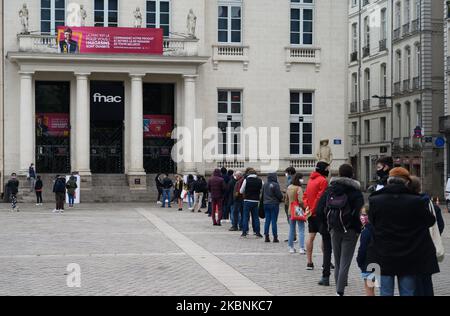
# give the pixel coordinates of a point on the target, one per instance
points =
(359, 89)
(392, 79)
(2, 77)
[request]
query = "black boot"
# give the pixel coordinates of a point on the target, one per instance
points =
(267, 238)
(324, 281)
(275, 239)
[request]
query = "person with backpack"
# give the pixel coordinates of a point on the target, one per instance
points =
(13, 188)
(361, 259)
(199, 188)
(294, 198)
(251, 189)
(71, 187)
(167, 185)
(238, 202)
(344, 201)
(216, 188)
(38, 187)
(59, 188)
(402, 245)
(315, 188)
(272, 197)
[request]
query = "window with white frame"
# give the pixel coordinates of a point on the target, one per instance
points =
(354, 37)
(366, 32)
(301, 123)
(367, 92)
(407, 16)
(382, 129)
(355, 87)
(383, 24)
(106, 13)
(418, 63)
(158, 15)
(367, 131)
(408, 63)
(408, 130)
(417, 9)
(418, 112)
(302, 22)
(53, 14)
(398, 57)
(230, 21)
(229, 121)
(383, 75)
(398, 15)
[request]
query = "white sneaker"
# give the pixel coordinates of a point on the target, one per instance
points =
(292, 250)
(302, 251)
(61, 211)
(55, 210)
(159, 202)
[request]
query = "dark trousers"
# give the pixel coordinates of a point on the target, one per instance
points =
(424, 285)
(13, 200)
(327, 251)
(39, 197)
(238, 213)
(159, 194)
(217, 205)
(60, 199)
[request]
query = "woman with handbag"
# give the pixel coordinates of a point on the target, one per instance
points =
(298, 216)
(178, 189)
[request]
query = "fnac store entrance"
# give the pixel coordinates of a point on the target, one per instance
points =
(107, 127)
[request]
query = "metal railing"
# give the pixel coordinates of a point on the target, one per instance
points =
(366, 105)
(396, 34)
(383, 45)
(416, 83)
(397, 87)
(406, 85)
(353, 56)
(382, 103)
(406, 143)
(366, 51)
(415, 26)
(354, 107)
(406, 28)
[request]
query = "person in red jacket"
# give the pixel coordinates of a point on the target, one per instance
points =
(316, 187)
(216, 188)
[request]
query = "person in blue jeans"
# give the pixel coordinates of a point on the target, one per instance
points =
(406, 285)
(167, 184)
(294, 193)
(272, 198)
(251, 189)
(190, 191)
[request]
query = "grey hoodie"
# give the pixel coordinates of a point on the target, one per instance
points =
(272, 192)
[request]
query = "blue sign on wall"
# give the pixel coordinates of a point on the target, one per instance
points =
(439, 142)
(338, 141)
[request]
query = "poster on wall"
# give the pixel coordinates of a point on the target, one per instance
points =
(110, 40)
(52, 124)
(158, 126)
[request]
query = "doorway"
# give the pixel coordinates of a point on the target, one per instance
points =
(107, 127)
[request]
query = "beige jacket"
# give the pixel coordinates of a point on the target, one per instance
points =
(291, 194)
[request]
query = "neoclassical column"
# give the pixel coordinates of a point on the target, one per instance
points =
(136, 126)
(83, 126)
(26, 132)
(189, 116)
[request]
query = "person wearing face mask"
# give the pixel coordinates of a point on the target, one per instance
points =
(384, 165)
(361, 259)
(316, 187)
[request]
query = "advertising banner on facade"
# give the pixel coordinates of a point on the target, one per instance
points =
(110, 40)
(52, 124)
(157, 126)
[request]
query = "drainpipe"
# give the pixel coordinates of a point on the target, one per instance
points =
(392, 79)
(359, 89)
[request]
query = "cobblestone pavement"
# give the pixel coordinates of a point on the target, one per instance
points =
(122, 251)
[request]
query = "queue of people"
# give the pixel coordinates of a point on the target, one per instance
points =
(393, 231)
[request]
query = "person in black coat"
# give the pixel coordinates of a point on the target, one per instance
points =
(402, 244)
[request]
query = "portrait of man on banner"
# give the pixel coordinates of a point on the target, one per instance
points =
(67, 45)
